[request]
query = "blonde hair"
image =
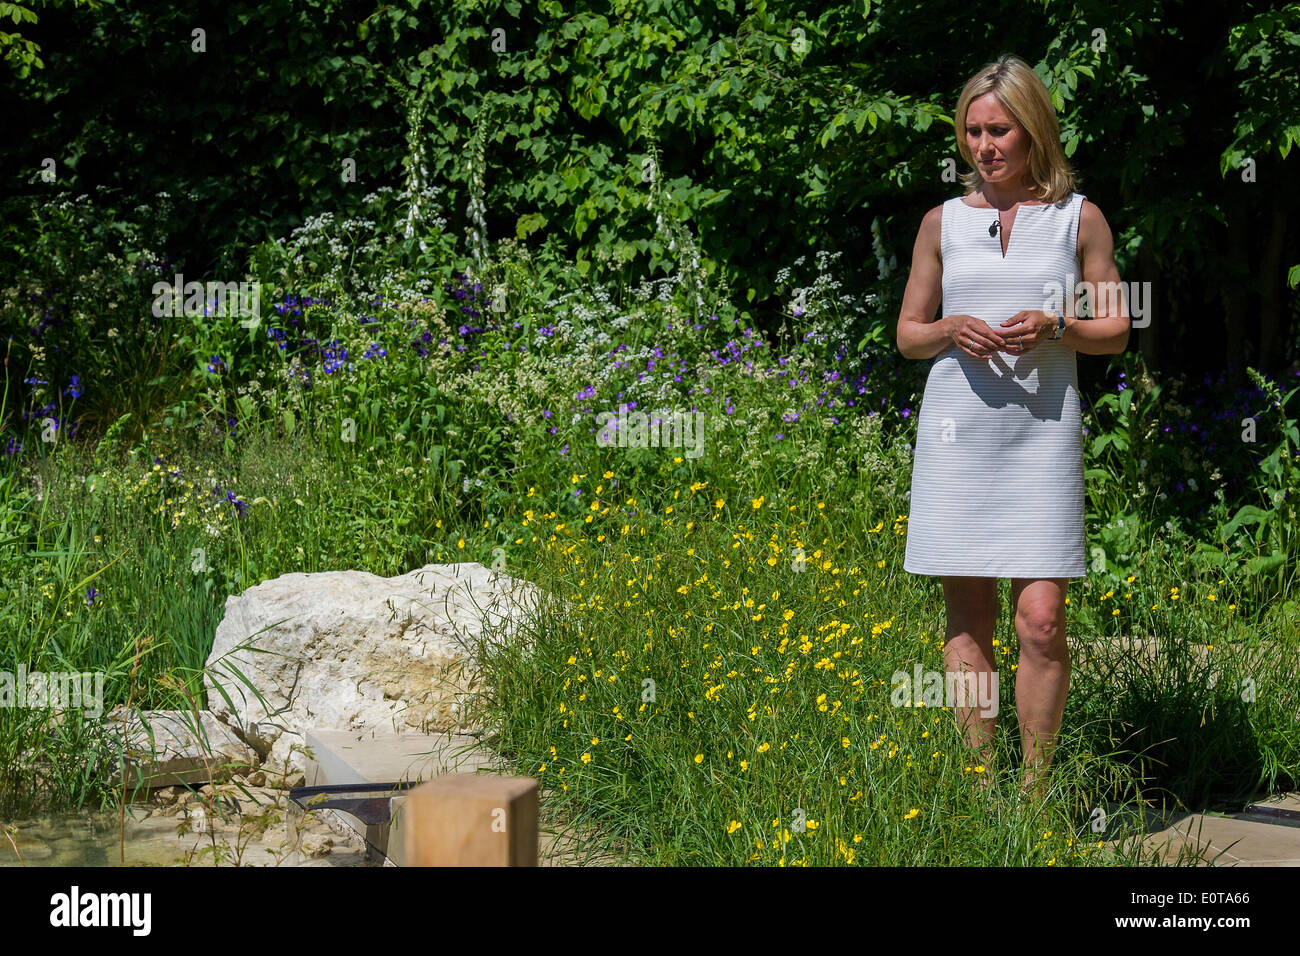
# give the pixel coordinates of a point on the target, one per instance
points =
(1023, 95)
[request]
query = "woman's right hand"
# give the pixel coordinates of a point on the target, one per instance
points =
(974, 336)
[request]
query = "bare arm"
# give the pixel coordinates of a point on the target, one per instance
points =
(1107, 331)
(919, 336)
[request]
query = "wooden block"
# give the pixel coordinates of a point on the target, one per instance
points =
(471, 820)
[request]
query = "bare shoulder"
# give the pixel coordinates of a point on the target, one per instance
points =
(1094, 231)
(931, 225)
(1091, 219)
(933, 219)
(1090, 214)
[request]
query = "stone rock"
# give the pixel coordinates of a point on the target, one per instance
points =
(166, 796)
(286, 781)
(354, 651)
(163, 748)
(314, 849)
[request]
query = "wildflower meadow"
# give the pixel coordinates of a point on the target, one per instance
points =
(698, 448)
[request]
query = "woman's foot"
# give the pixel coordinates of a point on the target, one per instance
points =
(1034, 786)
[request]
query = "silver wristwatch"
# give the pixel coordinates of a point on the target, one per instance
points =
(1060, 327)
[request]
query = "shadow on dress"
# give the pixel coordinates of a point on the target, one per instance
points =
(997, 382)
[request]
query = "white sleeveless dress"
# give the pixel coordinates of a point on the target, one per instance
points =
(997, 477)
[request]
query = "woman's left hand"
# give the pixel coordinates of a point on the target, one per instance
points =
(1025, 330)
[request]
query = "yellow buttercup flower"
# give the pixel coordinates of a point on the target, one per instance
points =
(911, 813)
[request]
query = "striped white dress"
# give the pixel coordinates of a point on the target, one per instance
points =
(997, 478)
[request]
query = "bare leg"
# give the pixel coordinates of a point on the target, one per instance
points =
(1043, 677)
(972, 605)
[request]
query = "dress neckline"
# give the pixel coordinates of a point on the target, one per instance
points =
(994, 209)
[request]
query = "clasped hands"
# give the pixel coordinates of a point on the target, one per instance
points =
(1016, 336)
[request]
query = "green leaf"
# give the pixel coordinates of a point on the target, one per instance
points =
(1210, 554)
(1265, 563)
(1248, 514)
(528, 224)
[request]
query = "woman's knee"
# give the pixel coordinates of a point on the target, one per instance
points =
(1041, 628)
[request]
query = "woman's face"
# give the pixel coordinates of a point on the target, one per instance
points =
(996, 140)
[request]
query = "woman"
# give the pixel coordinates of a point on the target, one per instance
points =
(997, 480)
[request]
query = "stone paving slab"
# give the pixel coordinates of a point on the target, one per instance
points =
(344, 756)
(1226, 841)
(171, 747)
(1283, 801)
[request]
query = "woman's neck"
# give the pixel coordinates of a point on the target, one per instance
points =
(1005, 195)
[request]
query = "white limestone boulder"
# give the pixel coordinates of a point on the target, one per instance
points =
(351, 650)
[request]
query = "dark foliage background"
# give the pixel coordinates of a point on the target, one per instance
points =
(784, 127)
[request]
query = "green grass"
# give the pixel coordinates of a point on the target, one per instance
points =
(697, 695)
